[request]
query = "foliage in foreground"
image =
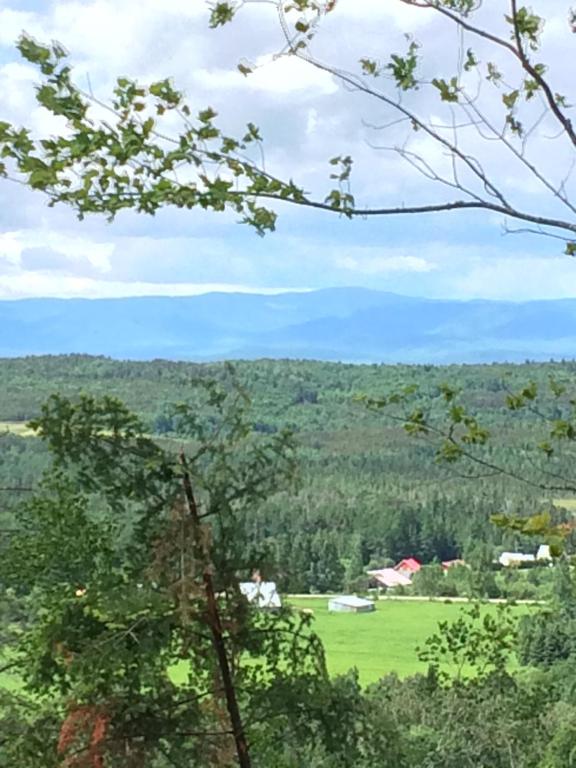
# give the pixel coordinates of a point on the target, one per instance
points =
(109, 573)
(127, 562)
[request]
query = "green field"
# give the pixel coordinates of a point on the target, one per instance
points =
(569, 504)
(375, 643)
(382, 641)
(16, 428)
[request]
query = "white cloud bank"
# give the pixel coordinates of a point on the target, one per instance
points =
(382, 265)
(50, 285)
(306, 117)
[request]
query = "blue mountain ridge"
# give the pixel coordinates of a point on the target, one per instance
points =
(341, 324)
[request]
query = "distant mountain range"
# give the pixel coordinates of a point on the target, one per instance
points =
(344, 324)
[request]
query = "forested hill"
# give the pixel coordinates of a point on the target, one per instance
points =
(367, 493)
(306, 395)
(342, 324)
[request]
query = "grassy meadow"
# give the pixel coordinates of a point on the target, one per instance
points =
(569, 504)
(16, 428)
(376, 643)
(382, 641)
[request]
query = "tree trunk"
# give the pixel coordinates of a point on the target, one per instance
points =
(218, 641)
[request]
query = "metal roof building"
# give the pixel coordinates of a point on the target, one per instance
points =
(350, 604)
(388, 577)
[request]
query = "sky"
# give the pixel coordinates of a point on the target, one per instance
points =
(306, 117)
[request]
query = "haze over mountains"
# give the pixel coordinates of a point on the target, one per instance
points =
(341, 324)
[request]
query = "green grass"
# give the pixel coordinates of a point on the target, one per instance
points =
(16, 428)
(382, 641)
(569, 504)
(375, 643)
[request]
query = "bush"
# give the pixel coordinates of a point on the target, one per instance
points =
(429, 581)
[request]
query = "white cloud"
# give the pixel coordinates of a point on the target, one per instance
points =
(381, 265)
(12, 244)
(397, 13)
(516, 279)
(30, 284)
(306, 117)
(13, 22)
(284, 75)
(16, 84)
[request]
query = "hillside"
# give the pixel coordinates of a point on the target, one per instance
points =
(367, 491)
(344, 324)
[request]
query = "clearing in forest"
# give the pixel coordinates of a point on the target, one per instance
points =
(383, 641)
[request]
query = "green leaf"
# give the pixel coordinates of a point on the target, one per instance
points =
(510, 99)
(448, 90)
(207, 115)
(471, 60)
(494, 75)
(527, 25)
(370, 67)
(245, 69)
(403, 68)
(221, 13)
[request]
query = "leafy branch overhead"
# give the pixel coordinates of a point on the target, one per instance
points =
(494, 100)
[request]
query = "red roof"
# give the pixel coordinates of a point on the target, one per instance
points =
(409, 564)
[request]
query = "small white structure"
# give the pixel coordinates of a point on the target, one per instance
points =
(508, 559)
(262, 594)
(543, 552)
(389, 577)
(350, 604)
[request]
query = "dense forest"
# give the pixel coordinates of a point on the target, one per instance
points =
(366, 493)
(310, 480)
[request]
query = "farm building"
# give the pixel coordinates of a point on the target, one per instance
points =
(350, 604)
(263, 594)
(388, 577)
(543, 552)
(508, 559)
(409, 566)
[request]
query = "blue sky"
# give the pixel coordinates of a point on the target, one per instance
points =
(306, 117)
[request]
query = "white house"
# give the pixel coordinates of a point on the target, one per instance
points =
(350, 604)
(263, 594)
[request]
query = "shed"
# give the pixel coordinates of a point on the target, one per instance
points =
(350, 604)
(388, 577)
(263, 594)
